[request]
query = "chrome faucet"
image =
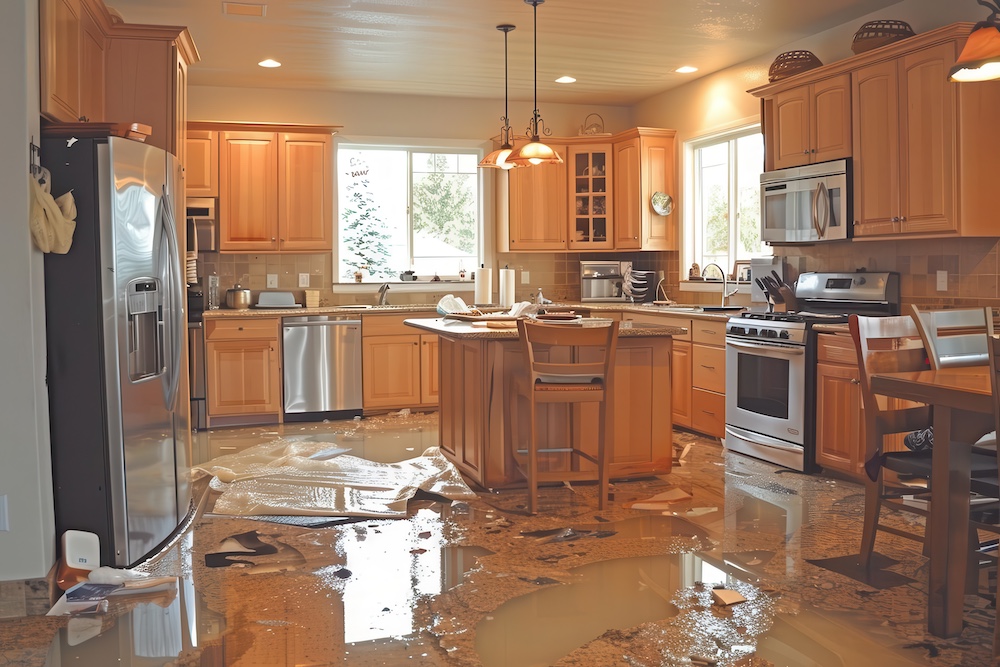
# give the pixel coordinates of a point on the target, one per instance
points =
(725, 283)
(382, 299)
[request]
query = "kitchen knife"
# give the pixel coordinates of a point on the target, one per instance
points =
(772, 289)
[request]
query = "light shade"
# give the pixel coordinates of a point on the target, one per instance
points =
(980, 59)
(535, 152)
(498, 159)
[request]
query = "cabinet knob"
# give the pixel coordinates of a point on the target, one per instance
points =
(273, 239)
(813, 150)
(855, 381)
(805, 152)
(902, 218)
(857, 223)
(241, 328)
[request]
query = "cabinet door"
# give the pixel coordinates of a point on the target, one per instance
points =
(140, 86)
(658, 170)
(590, 198)
(202, 167)
(680, 383)
(248, 191)
(627, 189)
(391, 371)
(305, 192)
(243, 377)
(875, 103)
(830, 118)
(93, 44)
(790, 138)
(430, 377)
(927, 141)
(60, 51)
(179, 108)
(840, 439)
(538, 207)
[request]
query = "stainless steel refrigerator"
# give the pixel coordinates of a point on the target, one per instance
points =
(116, 341)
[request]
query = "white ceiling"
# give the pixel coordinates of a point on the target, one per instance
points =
(620, 51)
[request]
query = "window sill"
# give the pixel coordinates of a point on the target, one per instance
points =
(712, 286)
(409, 286)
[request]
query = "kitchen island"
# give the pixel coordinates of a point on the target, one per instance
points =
(480, 409)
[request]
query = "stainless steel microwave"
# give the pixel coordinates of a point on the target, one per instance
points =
(602, 280)
(806, 204)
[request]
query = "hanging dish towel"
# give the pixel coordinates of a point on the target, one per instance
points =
(52, 221)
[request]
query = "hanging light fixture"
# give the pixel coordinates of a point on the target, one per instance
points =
(980, 58)
(535, 152)
(498, 158)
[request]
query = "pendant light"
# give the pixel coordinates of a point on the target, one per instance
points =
(980, 58)
(535, 152)
(498, 158)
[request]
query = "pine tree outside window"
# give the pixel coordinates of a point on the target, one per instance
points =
(407, 208)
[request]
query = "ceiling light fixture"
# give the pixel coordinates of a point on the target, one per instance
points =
(686, 69)
(535, 152)
(498, 158)
(980, 58)
(269, 62)
(565, 79)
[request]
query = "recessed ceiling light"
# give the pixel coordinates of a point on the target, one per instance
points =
(565, 79)
(269, 63)
(254, 9)
(686, 69)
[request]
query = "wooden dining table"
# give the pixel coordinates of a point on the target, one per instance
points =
(963, 407)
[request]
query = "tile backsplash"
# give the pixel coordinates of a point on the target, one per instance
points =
(250, 272)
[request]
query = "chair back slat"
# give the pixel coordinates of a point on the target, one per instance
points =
(885, 345)
(591, 351)
(955, 337)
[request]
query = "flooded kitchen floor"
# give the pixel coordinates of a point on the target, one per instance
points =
(481, 582)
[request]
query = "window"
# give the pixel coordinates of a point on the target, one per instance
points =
(724, 219)
(406, 208)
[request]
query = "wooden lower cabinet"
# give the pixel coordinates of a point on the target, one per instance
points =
(840, 438)
(399, 366)
(681, 383)
(483, 419)
(242, 363)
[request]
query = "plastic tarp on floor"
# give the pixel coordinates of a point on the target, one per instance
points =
(283, 477)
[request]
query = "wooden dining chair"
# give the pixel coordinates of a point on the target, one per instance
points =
(568, 364)
(955, 337)
(993, 351)
(888, 345)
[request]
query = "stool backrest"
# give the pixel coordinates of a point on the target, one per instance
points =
(885, 345)
(954, 337)
(590, 351)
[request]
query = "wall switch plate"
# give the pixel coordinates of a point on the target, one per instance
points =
(942, 281)
(303, 280)
(525, 278)
(4, 520)
(272, 280)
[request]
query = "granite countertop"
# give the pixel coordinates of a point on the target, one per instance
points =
(432, 308)
(477, 330)
(832, 328)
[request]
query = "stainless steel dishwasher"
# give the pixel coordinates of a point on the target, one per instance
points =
(321, 356)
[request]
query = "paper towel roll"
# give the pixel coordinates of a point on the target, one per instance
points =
(506, 287)
(484, 286)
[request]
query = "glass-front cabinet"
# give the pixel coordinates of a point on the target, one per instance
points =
(590, 206)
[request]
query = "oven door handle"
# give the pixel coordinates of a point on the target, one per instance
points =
(790, 350)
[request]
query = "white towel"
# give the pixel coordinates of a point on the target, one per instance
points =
(52, 221)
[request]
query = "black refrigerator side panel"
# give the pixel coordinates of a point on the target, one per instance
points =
(77, 390)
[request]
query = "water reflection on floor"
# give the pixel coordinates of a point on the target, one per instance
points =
(482, 583)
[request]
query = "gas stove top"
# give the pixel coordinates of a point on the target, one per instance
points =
(788, 328)
(802, 316)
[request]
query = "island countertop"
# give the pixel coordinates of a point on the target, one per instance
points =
(465, 330)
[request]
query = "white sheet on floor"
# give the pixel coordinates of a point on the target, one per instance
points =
(280, 478)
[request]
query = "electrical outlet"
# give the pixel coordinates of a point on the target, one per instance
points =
(303, 280)
(272, 280)
(942, 281)
(525, 278)
(660, 275)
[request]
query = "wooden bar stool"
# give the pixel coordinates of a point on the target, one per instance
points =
(569, 363)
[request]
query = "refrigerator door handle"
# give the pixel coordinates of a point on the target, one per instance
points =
(173, 289)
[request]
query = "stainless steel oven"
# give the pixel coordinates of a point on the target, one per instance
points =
(771, 364)
(806, 204)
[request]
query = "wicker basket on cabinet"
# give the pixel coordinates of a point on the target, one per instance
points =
(879, 33)
(792, 62)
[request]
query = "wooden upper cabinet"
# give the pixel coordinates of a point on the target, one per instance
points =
(305, 191)
(202, 166)
(628, 208)
(644, 164)
(905, 145)
(810, 123)
(537, 200)
(93, 46)
(591, 212)
(59, 42)
(248, 191)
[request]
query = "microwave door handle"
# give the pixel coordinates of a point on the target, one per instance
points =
(815, 211)
(824, 196)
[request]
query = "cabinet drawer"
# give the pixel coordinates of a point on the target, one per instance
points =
(708, 332)
(708, 412)
(662, 320)
(836, 349)
(388, 325)
(708, 368)
(241, 328)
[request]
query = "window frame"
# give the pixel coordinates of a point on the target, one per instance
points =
(691, 249)
(485, 189)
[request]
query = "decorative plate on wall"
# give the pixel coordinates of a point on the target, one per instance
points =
(662, 203)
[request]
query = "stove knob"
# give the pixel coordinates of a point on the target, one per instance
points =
(784, 334)
(752, 331)
(739, 331)
(769, 333)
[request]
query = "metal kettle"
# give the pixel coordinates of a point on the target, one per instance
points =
(238, 298)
